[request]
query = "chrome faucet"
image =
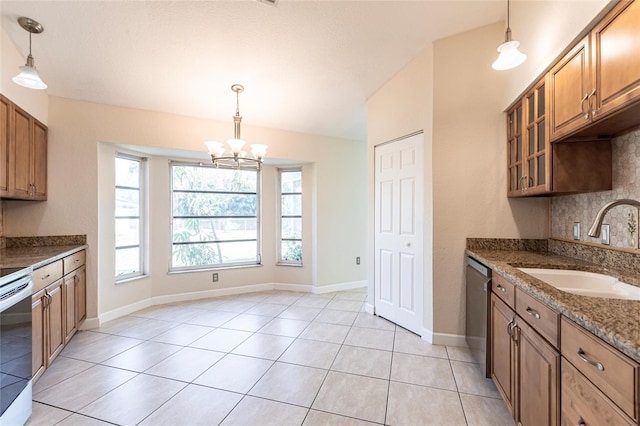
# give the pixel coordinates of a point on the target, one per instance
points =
(594, 231)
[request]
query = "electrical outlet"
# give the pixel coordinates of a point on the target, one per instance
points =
(215, 277)
(605, 234)
(576, 230)
(358, 260)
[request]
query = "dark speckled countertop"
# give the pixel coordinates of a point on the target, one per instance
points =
(616, 321)
(35, 256)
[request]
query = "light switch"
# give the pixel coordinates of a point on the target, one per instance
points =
(604, 233)
(576, 230)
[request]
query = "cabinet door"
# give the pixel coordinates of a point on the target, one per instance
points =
(514, 151)
(69, 306)
(20, 178)
(81, 295)
(39, 161)
(537, 165)
(616, 59)
(570, 85)
(5, 117)
(538, 375)
(38, 357)
(55, 316)
(502, 350)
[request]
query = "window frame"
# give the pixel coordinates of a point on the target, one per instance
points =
(280, 261)
(142, 219)
(227, 265)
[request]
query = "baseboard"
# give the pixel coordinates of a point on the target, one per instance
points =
(426, 335)
(368, 308)
(216, 292)
(91, 323)
(448, 339)
(339, 287)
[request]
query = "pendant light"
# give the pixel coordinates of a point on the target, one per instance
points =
(237, 158)
(510, 56)
(29, 76)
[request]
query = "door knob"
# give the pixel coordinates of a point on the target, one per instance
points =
(408, 244)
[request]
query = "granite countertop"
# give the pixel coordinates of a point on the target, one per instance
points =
(36, 257)
(616, 321)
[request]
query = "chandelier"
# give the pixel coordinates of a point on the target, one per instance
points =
(237, 158)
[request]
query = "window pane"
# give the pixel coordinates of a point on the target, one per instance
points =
(291, 181)
(207, 204)
(214, 229)
(291, 251)
(127, 232)
(213, 253)
(212, 179)
(291, 205)
(127, 202)
(127, 172)
(291, 228)
(127, 261)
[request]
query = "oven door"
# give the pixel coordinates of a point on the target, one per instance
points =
(15, 352)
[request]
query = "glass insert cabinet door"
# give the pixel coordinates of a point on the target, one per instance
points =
(528, 144)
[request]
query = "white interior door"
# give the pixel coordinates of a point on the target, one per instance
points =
(398, 239)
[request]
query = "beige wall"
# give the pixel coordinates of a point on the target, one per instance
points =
(82, 141)
(454, 79)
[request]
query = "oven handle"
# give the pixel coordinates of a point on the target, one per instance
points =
(22, 294)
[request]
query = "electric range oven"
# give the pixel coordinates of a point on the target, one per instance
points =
(15, 345)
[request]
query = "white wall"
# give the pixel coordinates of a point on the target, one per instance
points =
(454, 82)
(82, 138)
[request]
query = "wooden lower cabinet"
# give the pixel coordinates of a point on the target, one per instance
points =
(524, 367)
(70, 307)
(81, 295)
(538, 375)
(47, 314)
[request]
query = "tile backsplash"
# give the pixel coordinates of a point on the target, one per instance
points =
(623, 220)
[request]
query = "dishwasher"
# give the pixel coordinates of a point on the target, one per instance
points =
(478, 308)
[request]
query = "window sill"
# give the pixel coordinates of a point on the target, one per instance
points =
(130, 279)
(212, 269)
(295, 265)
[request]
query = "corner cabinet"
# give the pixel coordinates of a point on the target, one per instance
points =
(535, 166)
(23, 154)
(595, 88)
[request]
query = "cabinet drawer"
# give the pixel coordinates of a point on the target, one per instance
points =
(613, 373)
(503, 289)
(74, 261)
(541, 317)
(44, 276)
(581, 400)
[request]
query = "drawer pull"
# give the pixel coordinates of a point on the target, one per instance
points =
(45, 277)
(502, 289)
(581, 422)
(583, 357)
(77, 260)
(533, 313)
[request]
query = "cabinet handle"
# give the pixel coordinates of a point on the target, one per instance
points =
(77, 260)
(515, 331)
(46, 276)
(502, 289)
(593, 111)
(581, 422)
(533, 313)
(582, 356)
(509, 331)
(586, 113)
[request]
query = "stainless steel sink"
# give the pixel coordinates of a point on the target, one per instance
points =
(585, 283)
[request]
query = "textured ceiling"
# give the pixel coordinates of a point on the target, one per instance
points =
(307, 66)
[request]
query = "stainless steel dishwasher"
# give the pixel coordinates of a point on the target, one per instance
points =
(477, 322)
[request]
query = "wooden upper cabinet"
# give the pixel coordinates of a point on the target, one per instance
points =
(570, 85)
(537, 156)
(23, 154)
(5, 118)
(595, 88)
(616, 59)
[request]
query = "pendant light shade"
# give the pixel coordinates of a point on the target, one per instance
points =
(29, 76)
(510, 57)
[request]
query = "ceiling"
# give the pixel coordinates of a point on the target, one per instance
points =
(307, 66)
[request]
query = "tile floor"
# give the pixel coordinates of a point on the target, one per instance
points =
(270, 358)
